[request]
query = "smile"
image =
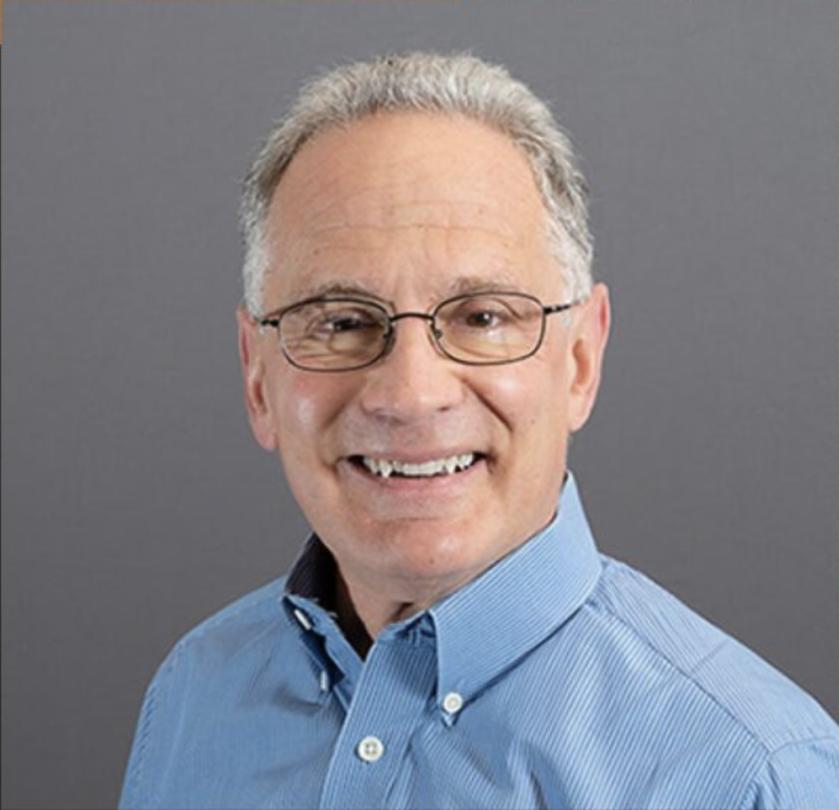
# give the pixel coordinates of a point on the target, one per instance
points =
(449, 465)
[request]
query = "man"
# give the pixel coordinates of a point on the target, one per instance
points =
(419, 339)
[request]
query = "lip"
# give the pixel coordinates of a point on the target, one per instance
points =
(415, 456)
(436, 485)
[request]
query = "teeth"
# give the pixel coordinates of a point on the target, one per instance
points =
(384, 467)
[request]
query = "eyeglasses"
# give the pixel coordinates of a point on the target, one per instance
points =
(344, 334)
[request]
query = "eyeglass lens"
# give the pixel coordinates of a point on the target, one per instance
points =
(484, 328)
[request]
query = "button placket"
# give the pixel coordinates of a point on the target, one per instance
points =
(390, 701)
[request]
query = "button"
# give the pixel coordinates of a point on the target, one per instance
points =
(303, 619)
(324, 681)
(370, 749)
(453, 702)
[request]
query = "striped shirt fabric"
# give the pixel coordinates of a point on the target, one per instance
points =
(558, 678)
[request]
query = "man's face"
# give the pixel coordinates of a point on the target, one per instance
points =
(404, 207)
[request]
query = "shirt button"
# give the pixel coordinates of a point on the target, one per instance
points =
(302, 619)
(453, 702)
(370, 749)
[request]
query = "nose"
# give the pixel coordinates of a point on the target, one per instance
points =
(414, 380)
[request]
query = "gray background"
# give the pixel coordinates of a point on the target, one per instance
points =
(134, 499)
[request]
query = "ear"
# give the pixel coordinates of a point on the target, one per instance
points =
(591, 332)
(254, 379)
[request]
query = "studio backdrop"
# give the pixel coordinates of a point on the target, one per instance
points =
(135, 502)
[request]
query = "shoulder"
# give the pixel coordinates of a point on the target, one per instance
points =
(251, 610)
(209, 665)
(735, 685)
(220, 655)
(799, 774)
(248, 623)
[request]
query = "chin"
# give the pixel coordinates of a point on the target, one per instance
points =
(424, 554)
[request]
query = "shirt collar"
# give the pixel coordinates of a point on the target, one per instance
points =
(490, 623)
(312, 576)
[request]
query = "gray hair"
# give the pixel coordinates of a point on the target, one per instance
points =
(458, 84)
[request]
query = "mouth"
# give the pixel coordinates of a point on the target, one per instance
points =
(442, 467)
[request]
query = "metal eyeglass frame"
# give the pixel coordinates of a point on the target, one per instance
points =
(274, 319)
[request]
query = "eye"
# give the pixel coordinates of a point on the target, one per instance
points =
(345, 320)
(481, 319)
(480, 315)
(346, 323)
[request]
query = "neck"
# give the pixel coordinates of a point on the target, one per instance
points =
(363, 613)
(364, 609)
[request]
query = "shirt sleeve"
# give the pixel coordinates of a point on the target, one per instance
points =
(798, 776)
(148, 747)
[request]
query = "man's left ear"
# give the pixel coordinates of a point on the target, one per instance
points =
(590, 334)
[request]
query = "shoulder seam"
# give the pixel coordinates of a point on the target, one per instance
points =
(170, 663)
(136, 776)
(771, 753)
(805, 740)
(660, 654)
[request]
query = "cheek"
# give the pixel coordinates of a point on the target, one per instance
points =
(303, 410)
(527, 395)
(305, 404)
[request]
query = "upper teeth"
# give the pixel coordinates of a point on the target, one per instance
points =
(385, 467)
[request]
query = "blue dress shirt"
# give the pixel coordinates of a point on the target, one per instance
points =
(558, 678)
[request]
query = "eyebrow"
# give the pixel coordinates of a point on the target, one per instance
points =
(500, 282)
(337, 287)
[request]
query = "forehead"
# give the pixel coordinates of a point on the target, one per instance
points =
(408, 197)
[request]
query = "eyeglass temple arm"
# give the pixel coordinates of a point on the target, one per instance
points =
(559, 307)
